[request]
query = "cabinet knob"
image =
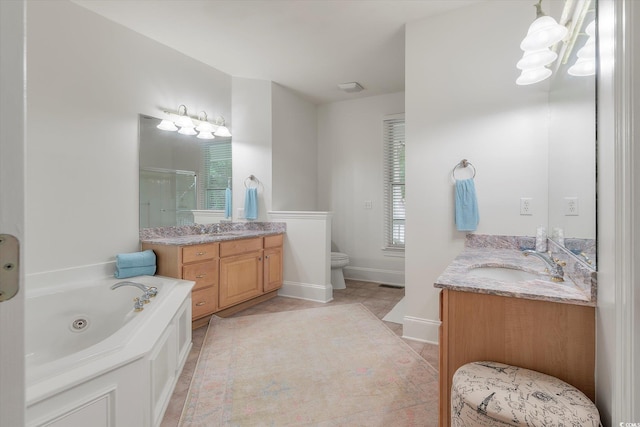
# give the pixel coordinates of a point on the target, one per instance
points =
(200, 253)
(201, 303)
(266, 257)
(260, 259)
(201, 276)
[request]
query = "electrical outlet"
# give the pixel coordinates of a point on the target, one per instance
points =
(526, 206)
(571, 206)
(368, 204)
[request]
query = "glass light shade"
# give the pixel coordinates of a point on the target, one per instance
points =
(187, 131)
(543, 32)
(535, 75)
(583, 67)
(205, 135)
(588, 51)
(536, 59)
(167, 125)
(185, 122)
(222, 131)
(591, 28)
(205, 127)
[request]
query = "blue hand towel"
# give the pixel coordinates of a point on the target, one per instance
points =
(467, 216)
(124, 272)
(251, 203)
(227, 203)
(136, 259)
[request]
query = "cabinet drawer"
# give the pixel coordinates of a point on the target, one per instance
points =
(204, 302)
(235, 247)
(199, 252)
(273, 241)
(203, 273)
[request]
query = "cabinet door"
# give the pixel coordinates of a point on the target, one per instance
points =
(272, 269)
(240, 278)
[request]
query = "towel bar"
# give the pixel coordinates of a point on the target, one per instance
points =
(251, 178)
(463, 164)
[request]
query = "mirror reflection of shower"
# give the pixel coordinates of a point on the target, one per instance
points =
(167, 197)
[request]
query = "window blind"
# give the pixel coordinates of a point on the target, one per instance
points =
(394, 182)
(216, 173)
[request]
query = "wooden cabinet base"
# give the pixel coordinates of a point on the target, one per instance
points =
(235, 309)
(549, 337)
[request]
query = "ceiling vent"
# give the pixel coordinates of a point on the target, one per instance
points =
(350, 87)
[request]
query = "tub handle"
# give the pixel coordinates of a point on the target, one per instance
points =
(201, 303)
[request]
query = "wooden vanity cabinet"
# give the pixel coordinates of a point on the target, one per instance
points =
(549, 337)
(230, 276)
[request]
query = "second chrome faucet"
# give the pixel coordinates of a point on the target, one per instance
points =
(554, 266)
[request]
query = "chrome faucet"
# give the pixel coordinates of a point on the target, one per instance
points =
(554, 266)
(148, 292)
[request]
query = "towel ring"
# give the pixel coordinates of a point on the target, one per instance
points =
(463, 164)
(251, 179)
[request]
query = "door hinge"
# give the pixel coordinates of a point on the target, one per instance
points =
(9, 266)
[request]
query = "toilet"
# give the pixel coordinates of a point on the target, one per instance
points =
(338, 261)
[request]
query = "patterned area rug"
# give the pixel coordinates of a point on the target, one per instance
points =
(330, 366)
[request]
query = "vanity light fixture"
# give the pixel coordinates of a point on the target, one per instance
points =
(201, 126)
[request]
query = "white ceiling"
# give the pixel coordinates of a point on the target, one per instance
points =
(308, 46)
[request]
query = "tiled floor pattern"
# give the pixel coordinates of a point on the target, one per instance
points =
(378, 299)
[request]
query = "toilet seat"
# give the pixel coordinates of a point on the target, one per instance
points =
(338, 260)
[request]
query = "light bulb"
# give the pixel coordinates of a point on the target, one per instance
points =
(205, 135)
(543, 32)
(536, 59)
(167, 125)
(535, 75)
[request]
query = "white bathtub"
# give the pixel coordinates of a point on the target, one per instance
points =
(88, 354)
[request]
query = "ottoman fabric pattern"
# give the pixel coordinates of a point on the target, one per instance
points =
(495, 394)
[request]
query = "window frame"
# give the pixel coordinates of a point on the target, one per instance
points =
(392, 177)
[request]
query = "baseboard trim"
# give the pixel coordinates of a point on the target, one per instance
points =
(307, 291)
(375, 275)
(423, 330)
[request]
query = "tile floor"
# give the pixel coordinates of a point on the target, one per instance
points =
(378, 299)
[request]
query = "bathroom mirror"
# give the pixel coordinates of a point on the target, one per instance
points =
(180, 175)
(572, 153)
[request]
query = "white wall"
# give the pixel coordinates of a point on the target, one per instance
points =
(88, 79)
(462, 103)
(295, 139)
(252, 143)
(350, 173)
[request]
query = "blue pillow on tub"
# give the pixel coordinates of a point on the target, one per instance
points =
(135, 264)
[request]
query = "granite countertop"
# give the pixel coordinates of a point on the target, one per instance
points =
(578, 288)
(209, 233)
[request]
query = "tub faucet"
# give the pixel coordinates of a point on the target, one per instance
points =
(149, 291)
(554, 266)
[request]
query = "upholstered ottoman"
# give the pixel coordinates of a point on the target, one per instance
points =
(495, 394)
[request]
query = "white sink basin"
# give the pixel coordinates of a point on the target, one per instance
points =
(503, 274)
